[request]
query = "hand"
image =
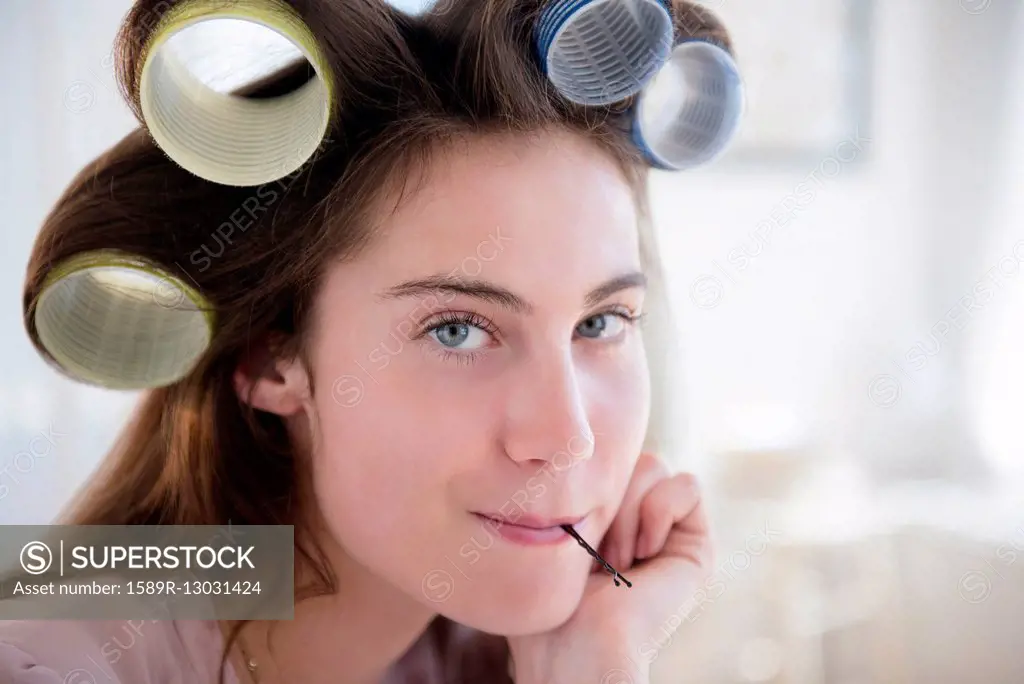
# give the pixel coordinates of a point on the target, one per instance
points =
(660, 524)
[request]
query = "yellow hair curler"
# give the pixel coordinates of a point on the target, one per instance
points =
(223, 137)
(118, 321)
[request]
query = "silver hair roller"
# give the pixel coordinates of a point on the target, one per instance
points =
(689, 96)
(598, 52)
(691, 111)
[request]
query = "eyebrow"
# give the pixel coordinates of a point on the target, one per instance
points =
(489, 292)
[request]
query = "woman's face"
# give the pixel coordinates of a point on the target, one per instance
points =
(478, 364)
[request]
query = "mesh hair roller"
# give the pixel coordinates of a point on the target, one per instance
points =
(598, 52)
(691, 111)
(117, 321)
(223, 137)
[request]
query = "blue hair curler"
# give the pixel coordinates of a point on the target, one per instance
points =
(690, 112)
(598, 52)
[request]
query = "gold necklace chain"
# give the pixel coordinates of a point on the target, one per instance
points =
(250, 663)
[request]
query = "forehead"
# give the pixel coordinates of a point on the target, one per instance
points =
(526, 212)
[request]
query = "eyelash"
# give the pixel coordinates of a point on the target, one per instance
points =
(631, 318)
(457, 318)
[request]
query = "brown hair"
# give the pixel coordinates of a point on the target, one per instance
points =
(193, 453)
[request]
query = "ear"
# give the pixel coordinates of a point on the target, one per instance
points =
(272, 383)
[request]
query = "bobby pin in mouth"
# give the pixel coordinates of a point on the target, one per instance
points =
(616, 576)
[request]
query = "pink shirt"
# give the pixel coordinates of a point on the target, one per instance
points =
(111, 652)
(189, 652)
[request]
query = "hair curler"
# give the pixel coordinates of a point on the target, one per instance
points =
(691, 110)
(598, 52)
(223, 137)
(121, 322)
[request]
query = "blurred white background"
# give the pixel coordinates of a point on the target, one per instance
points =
(848, 280)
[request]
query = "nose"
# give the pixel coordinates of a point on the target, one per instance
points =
(546, 412)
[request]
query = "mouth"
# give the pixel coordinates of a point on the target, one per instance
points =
(530, 530)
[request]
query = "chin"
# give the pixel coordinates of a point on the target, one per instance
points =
(516, 605)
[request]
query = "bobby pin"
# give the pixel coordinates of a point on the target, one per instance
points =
(616, 576)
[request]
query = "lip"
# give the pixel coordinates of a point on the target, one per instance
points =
(529, 530)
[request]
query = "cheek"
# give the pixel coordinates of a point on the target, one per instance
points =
(619, 411)
(383, 465)
(620, 402)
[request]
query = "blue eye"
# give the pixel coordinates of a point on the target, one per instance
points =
(455, 335)
(603, 325)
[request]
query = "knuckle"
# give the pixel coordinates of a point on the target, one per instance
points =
(657, 503)
(688, 478)
(652, 464)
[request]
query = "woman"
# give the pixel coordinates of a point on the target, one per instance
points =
(413, 330)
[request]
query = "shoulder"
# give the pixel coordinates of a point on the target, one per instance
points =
(114, 651)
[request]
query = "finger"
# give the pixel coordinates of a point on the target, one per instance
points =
(622, 533)
(696, 520)
(670, 501)
(673, 575)
(647, 473)
(690, 539)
